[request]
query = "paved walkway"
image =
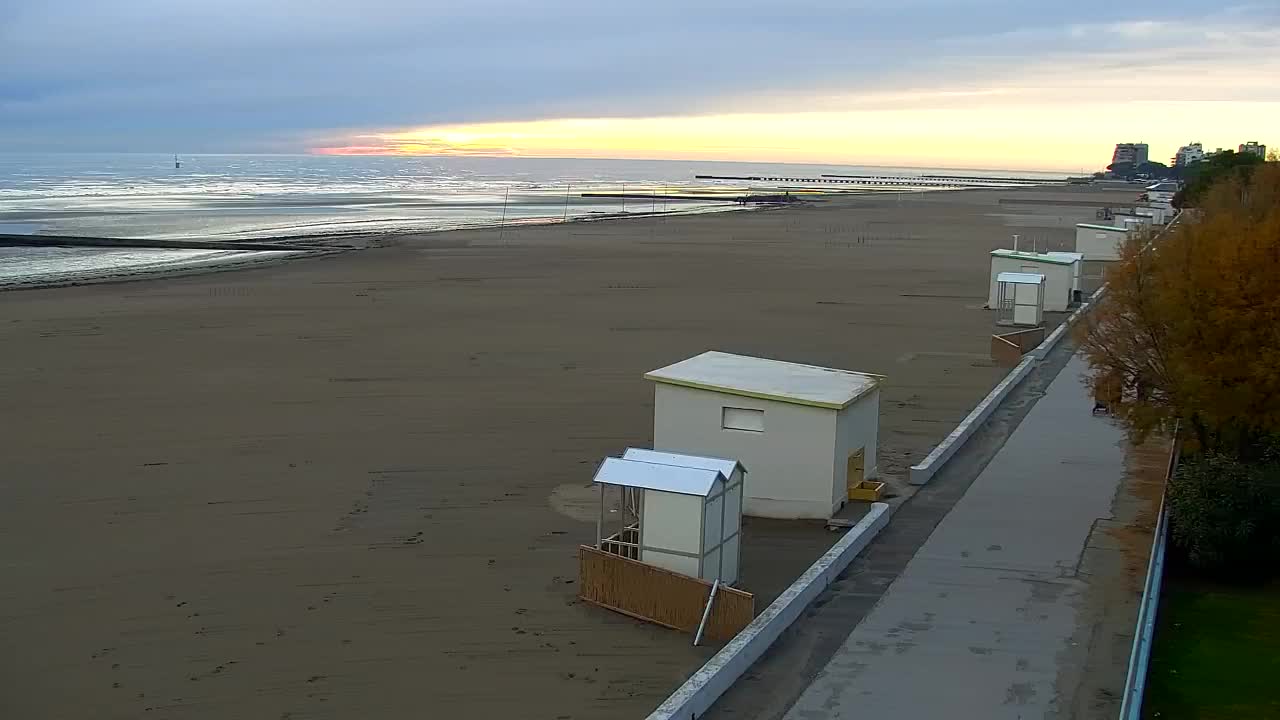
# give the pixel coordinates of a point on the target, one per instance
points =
(998, 613)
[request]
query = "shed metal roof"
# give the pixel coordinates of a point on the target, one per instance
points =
(1020, 278)
(653, 476)
(1032, 257)
(1102, 227)
(720, 465)
(768, 379)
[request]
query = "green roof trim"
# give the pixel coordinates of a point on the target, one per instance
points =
(1032, 257)
(1102, 227)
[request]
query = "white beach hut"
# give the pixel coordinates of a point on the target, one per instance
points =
(1132, 221)
(1158, 213)
(1077, 260)
(1100, 242)
(807, 433)
(1060, 274)
(679, 512)
(1020, 299)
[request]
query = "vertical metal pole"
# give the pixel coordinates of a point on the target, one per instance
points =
(600, 521)
(566, 203)
(702, 540)
(624, 197)
(706, 613)
(640, 493)
(724, 502)
(502, 224)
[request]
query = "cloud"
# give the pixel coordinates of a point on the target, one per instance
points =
(408, 144)
(237, 75)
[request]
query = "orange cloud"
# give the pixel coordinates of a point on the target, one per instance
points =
(397, 145)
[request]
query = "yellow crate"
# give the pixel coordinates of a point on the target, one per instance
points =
(867, 490)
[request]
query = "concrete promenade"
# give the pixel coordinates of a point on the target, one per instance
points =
(1016, 606)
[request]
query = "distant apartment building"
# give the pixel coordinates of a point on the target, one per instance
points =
(1132, 153)
(1188, 154)
(1254, 148)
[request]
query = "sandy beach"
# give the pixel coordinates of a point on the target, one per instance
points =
(354, 486)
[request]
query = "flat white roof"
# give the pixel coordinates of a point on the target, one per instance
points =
(652, 476)
(768, 379)
(1072, 256)
(1102, 227)
(1032, 257)
(1020, 278)
(720, 465)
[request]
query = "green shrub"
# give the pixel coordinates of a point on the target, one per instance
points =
(1224, 514)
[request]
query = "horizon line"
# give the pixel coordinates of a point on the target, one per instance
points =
(510, 156)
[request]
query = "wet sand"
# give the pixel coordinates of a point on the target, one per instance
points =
(352, 487)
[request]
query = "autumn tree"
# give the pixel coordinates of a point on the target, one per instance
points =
(1190, 324)
(1223, 166)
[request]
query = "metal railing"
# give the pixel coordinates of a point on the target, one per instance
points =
(1135, 681)
(626, 542)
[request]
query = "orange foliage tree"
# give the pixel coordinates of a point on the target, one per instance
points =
(1190, 324)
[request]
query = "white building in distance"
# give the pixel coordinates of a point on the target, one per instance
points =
(1254, 148)
(1133, 153)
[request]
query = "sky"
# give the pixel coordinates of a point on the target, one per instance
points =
(1019, 84)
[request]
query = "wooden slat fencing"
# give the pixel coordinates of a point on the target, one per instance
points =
(661, 596)
(1007, 349)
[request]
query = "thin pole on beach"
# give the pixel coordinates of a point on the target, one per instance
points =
(566, 203)
(624, 197)
(502, 224)
(653, 211)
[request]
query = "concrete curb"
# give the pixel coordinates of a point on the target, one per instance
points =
(696, 695)
(927, 468)
(924, 471)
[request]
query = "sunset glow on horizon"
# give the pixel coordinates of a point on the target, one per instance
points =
(1050, 137)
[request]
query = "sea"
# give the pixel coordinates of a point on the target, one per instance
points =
(254, 197)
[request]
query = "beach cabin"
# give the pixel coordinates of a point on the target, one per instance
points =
(678, 512)
(1077, 260)
(1161, 192)
(1061, 275)
(1159, 214)
(807, 433)
(1020, 299)
(1130, 220)
(1100, 242)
